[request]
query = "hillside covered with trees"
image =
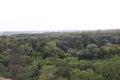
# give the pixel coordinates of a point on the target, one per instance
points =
(86, 55)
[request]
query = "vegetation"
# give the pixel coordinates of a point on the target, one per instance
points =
(90, 55)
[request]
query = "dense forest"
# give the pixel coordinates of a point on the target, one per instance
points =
(79, 55)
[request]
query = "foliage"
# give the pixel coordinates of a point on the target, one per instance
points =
(89, 55)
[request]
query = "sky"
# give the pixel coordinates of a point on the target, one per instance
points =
(49, 15)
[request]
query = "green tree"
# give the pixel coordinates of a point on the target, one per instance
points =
(75, 74)
(51, 50)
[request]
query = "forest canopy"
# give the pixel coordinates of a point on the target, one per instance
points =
(79, 55)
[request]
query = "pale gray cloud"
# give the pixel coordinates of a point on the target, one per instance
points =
(59, 15)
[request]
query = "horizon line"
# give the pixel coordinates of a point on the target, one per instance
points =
(54, 30)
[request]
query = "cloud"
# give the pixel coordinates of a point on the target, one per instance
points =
(59, 15)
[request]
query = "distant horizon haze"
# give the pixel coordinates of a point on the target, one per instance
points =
(65, 30)
(55, 29)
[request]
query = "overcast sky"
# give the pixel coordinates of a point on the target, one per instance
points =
(28, 15)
